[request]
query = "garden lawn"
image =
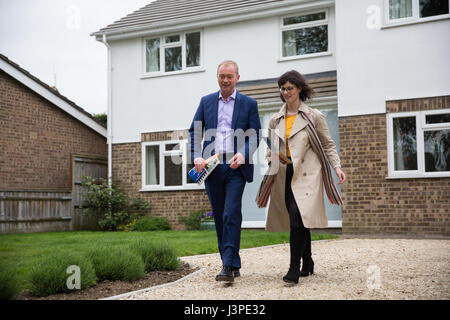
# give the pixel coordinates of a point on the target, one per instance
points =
(24, 250)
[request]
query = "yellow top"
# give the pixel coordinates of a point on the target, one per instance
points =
(289, 123)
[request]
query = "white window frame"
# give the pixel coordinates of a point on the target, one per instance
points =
(421, 127)
(162, 63)
(409, 20)
(186, 185)
(303, 25)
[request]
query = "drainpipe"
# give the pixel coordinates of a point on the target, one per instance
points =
(109, 111)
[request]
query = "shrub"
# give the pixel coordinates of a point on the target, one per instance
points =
(50, 275)
(127, 227)
(156, 256)
(116, 263)
(151, 224)
(112, 221)
(9, 282)
(109, 204)
(192, 221)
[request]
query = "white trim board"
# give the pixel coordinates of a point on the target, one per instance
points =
(50, 96)
(262, 224)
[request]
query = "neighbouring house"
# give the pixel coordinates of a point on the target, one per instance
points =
(379, 68)
(47, 144)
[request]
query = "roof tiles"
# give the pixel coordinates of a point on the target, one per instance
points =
(161, 11)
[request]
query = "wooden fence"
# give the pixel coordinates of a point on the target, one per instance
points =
(32, 211)
(54, 210)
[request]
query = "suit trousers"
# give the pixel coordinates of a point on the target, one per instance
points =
(225, 187)
(298, 230)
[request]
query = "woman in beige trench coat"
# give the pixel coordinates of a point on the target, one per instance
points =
(297, 200)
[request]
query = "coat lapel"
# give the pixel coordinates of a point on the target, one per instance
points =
(214, 110)
(280, 129)
(299, 124)
(236, 110)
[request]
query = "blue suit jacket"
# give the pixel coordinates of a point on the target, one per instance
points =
(245, 117)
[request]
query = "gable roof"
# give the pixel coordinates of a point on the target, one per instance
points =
(171, 12)
(51, 94)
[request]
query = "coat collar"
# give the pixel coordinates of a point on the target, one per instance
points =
(299, 122)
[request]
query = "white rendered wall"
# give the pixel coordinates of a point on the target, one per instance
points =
(169, 102)
(376, 65)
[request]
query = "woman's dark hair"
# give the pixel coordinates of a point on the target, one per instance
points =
(294, 77)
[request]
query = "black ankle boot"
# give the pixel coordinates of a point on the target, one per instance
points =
(297, 245)
(307, 267)
(307, 261)
(292, 275)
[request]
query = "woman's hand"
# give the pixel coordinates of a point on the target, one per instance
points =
(340, 174)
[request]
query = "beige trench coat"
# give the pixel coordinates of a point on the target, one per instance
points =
(307, 183)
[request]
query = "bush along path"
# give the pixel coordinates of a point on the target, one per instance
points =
(101, 272)
(23, 257)
(109, 288)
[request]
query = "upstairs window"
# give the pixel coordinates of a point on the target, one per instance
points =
(304, 34)
(172, 53)
(398, 11)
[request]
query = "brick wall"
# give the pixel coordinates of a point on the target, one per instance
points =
(374, 204)
(37, 140)
(127, 168)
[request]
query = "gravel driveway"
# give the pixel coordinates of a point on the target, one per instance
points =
(344, 269)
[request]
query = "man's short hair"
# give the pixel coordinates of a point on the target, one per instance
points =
(229, 62)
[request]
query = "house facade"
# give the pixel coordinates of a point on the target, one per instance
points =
(369, 62)
(47, 144)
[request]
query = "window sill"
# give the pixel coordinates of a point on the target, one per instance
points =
(172, 188)
(173, 73)
(414, 21)
(305, 56)
(418, 176)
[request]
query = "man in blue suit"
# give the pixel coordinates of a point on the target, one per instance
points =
(229, 122)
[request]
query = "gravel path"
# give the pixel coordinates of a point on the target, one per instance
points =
(344, 269)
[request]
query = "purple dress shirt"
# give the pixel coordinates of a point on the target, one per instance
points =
(224, 142)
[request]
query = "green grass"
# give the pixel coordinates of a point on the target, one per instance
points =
(24, 250)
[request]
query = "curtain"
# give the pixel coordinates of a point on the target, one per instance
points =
(289, 43)
(400, 9)
(437, 150)
(152, 165)
(405, 143)
(152, 55)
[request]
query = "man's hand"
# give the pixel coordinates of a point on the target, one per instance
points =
(199, 164)
(340, 174)
(237, 160)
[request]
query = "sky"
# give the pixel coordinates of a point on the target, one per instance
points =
(51, 40)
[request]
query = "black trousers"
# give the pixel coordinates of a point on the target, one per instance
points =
(300, 236)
